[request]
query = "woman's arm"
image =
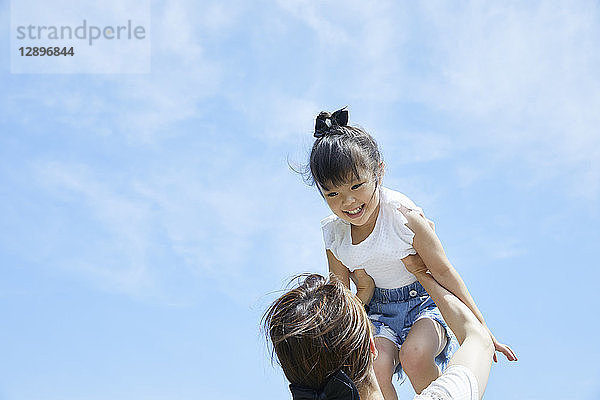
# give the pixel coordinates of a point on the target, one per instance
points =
(476, 348)
(429, 247)
(364, 283)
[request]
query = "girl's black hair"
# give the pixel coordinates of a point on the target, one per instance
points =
(339, 154)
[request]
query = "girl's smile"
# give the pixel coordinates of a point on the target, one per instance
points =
(355, 202)
(357, 212)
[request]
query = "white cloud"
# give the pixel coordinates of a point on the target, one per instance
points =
(119, 259)
(357, 41)
(280, 118)
(141, 107)
(527, 75)
(147, 234)
(417, 147)
(521, 81)
(322, 18)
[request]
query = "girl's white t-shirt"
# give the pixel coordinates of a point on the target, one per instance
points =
(380, 254)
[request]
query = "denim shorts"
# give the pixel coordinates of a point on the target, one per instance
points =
(394, 311)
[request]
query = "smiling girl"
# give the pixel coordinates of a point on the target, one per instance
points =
(367, 239)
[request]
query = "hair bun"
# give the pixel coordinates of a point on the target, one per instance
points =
(325, 121)
(313, 281)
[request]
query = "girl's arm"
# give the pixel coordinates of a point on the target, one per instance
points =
(364, 283)
(429, 247)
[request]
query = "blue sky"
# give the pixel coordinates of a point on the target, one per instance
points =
(149, 219)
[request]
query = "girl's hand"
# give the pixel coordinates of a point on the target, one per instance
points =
(502, 348)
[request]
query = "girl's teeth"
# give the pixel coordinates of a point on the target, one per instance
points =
(356, 211)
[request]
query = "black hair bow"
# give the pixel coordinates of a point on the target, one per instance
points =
(324, 124)
(338, 387)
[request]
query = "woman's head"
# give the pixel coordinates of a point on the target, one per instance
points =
(346, 166)
(318, 329)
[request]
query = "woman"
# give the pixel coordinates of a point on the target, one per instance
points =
(324, 341)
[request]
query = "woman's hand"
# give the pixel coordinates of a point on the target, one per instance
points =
(502, 348)
(365, 286)
(414, 264)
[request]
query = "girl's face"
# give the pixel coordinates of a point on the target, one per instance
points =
(356, 201)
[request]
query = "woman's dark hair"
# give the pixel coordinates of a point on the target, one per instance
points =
(318, 329)
(341, 152)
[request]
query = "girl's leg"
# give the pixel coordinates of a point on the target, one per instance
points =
(426, 339)
(385, 365)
